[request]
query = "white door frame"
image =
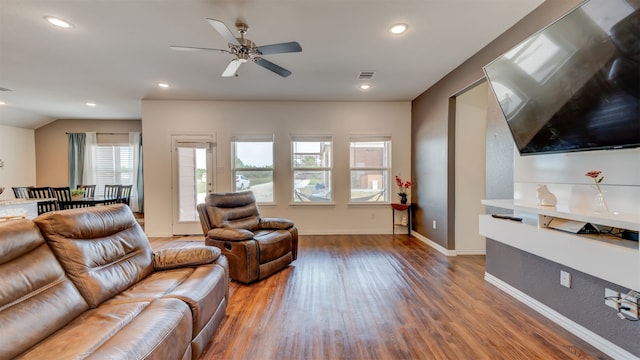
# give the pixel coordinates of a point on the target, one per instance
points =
(181, 227)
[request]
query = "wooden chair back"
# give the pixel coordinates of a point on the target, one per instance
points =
(21, 192)
(89, 190)
(44, 193)
(125, 194)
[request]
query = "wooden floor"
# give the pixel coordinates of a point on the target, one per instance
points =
(384, 297)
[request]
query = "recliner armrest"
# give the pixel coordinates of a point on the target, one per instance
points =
(275, 223)
(172, 258)
(229, 234)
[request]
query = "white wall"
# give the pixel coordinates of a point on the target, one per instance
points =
(161, 119)
(471, 124)
(18, 152)
(564, 175)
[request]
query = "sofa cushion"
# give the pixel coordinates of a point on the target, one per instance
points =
(202, 288)
(137, 330)
(36, 298)
(102, 249)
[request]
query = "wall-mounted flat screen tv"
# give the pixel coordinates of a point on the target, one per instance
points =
(574, 85)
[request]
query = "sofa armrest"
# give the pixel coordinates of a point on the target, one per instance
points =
(229, 234)
(172, 258)
(275, 223)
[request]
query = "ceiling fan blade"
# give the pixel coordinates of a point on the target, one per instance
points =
(224, 31)
(231, 68)
(192, 48)
(280, 48)
(273, 67)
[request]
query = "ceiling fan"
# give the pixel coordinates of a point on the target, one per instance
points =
(246, 50)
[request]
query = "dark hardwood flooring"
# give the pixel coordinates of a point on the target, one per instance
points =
(383, 297)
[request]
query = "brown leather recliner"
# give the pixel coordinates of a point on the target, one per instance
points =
(256, 247)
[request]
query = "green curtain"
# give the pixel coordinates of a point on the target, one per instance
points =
(76, 158)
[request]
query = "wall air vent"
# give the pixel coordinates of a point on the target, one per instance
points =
(366, 75)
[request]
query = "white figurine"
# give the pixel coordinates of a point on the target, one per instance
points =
(545, 197)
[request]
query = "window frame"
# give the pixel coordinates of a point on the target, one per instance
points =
(297, 197)
(116, 168)
(385, 168)
(235, 171)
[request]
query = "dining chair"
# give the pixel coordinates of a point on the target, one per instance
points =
(89, 190)
(112, 191)
(21, 192)
(45, 192)
(65, 199)
(125, 194)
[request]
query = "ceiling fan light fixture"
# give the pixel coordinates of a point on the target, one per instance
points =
(58, 22)
(398, 28)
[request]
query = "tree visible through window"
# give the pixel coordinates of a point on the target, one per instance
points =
(253, 165)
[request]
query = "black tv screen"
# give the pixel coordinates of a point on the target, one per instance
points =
(574, 85)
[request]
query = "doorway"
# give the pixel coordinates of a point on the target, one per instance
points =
(193, 174)
(470, 146)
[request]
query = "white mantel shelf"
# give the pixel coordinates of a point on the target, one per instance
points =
(621, 221)
(616, 261)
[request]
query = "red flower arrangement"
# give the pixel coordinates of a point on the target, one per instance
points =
(403, 185)
(595, 175)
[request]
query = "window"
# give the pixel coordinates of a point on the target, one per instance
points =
(311, 164)
(369, 159)
(115, 166)
(253, 165)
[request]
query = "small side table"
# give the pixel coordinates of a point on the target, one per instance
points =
(406, 222)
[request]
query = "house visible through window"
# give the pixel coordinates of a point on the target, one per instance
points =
(252, 166)
(311, 162)
(369, 159)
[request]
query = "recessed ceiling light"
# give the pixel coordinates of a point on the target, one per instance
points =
(58, 22)
(2, 102)
(398, 28)
(365, 87)
(91, 104)
(163, 85)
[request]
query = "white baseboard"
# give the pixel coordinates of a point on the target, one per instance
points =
(433, 244)
(471, 252)
(576, 329)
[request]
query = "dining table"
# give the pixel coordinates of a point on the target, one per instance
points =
(88, 201)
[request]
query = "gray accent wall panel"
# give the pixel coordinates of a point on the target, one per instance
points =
(583, 302)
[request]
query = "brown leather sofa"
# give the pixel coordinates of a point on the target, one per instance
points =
(85, 283)
(255, 246)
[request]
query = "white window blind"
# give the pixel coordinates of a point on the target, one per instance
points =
(114, 166)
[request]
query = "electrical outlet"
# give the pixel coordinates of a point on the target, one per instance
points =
(611, 298)
(630, 301)
(565, 279)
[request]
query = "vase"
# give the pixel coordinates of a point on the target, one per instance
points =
(403, 199)
(600, 204)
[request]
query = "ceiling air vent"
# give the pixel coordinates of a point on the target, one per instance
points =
(366, 75)
(4, 89)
